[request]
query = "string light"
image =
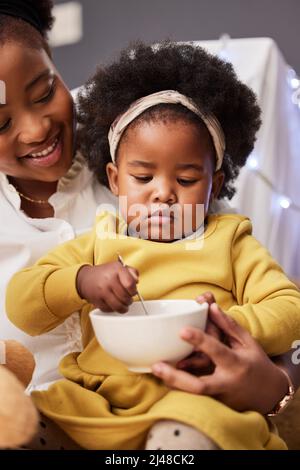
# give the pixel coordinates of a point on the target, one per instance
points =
(293, 79)
(294, 82)
(283, 201)
(252, 163)
(223, 51)
(296, 97)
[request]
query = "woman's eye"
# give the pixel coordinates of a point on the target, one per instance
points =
(143, 179)
(186, 182)
(5, 127)
(47, 97)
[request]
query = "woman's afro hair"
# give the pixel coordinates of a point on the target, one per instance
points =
(14, 29)
(144, 69)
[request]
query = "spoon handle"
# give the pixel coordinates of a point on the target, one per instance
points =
(138, 294)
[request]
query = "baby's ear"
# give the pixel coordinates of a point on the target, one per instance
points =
(217, 183)
(112, 175)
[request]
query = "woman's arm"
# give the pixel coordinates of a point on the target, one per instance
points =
(244, 377)
(287, 363)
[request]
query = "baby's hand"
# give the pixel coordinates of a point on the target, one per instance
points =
(109, 287)
(199, 363)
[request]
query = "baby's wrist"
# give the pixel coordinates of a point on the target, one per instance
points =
(80, 280)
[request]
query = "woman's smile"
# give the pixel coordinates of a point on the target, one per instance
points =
(49, 154)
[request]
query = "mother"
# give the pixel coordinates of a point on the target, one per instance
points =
(48, 196)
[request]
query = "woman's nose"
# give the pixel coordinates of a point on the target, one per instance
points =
(34, 129)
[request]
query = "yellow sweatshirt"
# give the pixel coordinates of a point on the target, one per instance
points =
(101, 404)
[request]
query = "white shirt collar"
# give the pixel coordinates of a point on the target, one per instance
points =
(77, 178)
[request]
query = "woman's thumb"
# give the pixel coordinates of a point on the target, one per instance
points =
(228, 325)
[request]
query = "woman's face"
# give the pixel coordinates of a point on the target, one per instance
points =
(36, 118)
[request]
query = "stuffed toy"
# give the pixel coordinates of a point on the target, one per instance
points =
(18, 415)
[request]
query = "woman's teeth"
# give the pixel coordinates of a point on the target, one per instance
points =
(45, 152)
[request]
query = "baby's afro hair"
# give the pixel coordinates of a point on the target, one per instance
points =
(14, 29)
(142, 70)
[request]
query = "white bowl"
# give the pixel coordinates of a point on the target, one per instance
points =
(140, 340)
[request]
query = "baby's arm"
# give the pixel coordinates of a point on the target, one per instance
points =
(42, 296)
(268, 303)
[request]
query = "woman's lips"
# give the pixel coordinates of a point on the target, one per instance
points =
(49, 160)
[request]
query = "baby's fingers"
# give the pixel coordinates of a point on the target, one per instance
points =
(206, 297)
(129, 278)
(122, 294)
(114, 303)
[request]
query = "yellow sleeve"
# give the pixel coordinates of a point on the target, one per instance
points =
(42, 296)
(268, 302)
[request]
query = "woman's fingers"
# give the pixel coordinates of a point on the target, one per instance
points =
(181, 380)
(229, 326)
(197, 361)
(218, 352)
(213, 330)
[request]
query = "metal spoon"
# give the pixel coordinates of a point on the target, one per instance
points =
(138, 294)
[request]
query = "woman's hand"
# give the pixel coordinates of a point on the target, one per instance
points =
(198, 362)
(244, 377)
(109, 286)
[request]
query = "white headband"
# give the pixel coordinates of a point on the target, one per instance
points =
(167, 96)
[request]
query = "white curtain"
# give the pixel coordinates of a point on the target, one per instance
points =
(259, 63)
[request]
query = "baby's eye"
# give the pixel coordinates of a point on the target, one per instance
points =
(143, 179)
(4, 127)
(186, 182)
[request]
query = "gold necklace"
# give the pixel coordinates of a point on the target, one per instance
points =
(35, 201)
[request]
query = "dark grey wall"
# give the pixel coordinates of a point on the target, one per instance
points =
(110, 24)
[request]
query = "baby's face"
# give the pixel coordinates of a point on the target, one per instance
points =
(165, 179)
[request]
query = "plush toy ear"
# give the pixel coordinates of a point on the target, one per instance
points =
(19, 360)
(18, 415)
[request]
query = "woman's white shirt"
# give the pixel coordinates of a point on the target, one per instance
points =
(23, 240)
